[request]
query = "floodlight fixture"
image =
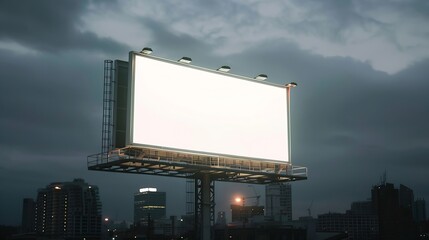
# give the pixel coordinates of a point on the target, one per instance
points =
(146, 50)
(143, 190)
(185, 60)
(261, 77)
(224, 69)
(291, 85)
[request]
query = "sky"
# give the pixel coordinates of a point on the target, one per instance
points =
(361, 107)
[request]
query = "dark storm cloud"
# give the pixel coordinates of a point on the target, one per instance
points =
(50, 26)
(329, 19)
(349, 122)
(171, 44)
(170, 41)
(409, 7)
(344, 95)
(48, 104)
(334, 19)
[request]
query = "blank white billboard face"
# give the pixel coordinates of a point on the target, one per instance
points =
(179, 107)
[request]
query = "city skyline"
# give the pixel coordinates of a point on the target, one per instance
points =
(369, 219)
(241, 200)
(360, 108)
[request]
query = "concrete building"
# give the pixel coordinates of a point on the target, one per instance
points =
(278, 202)
(68, 210)
(244, 214)
(394, 212)
(419, 210)
(406, 196)
(360, 222)
(363, 222)
(149, 204)
(28, 213)
(262, 231)
(388, 215)
(221, 218)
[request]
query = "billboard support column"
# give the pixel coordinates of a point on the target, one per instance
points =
(206, 206)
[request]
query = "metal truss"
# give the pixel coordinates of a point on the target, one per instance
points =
(187, 165)
(200, 203)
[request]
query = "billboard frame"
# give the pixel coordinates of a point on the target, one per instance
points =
(130, 110)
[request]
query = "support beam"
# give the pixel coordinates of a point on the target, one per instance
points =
(204, 206)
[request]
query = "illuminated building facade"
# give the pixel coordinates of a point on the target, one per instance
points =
(69, 210)
(149, 204)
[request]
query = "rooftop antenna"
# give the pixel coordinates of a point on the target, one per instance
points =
(309, 208)
(383, 178)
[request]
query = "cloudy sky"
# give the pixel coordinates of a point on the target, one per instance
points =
(361, 106)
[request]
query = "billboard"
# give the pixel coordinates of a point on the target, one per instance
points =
(186, 108)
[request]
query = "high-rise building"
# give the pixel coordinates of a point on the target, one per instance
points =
(28, 211)
(387, 216)
(362, 208)
(149, 204)
(70, 210)
(393, 211)
(278, 201)
(360, 222)
(406, 196)
(419, 210)
(386, 204)
(331, 222)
